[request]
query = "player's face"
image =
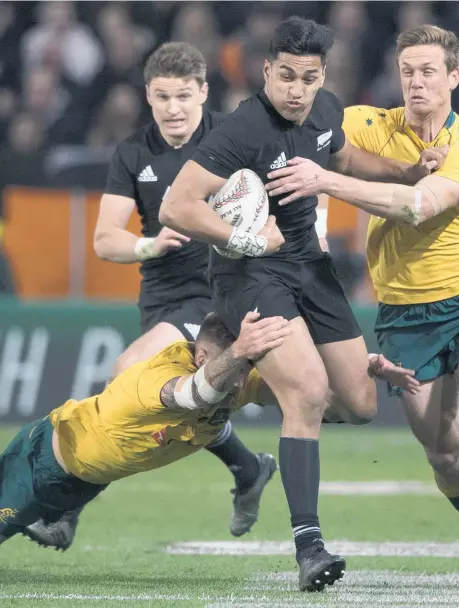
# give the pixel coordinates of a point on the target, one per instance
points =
(176, 104)
(426, 84)
(292, 82)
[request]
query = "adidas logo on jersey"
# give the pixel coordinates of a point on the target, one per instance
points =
(281, 161)
(147, 175)
(324, 140)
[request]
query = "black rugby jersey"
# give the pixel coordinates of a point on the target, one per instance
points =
(257, 137)
(143, 168)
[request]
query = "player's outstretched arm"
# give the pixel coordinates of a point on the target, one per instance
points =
(214, 380)
(405, 204)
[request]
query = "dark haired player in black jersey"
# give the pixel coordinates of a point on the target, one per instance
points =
(174, 296)
(325, 353)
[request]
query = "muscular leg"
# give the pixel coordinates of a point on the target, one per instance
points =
(296, 375)
(351, 389)
(433, 415)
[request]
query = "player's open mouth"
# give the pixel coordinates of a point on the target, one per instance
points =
(417, 98)
(178, 122)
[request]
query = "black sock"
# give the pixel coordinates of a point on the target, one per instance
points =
(242, 463)
(455, 502)
(300, 471)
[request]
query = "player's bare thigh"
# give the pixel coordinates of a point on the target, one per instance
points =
(296, 375)
(346, 364)
(148, 345)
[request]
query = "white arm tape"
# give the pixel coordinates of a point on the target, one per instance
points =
(247, 243)
(143, 249)
(321, 223)
(184, 395)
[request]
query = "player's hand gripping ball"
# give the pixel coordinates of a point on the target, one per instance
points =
(242, 202)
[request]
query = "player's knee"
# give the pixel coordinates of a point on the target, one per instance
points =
(361, 406)
(444, 463)
(307, 397)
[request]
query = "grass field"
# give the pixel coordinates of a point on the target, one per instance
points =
(129, 550)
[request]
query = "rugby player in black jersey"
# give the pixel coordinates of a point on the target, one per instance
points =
(324, 359)
(174, 295)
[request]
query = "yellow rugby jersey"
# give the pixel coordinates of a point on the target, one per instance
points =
(409, 264)
(126, 429)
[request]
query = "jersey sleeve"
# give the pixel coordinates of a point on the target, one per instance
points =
(362, 127)
(227, 148)
(450, 169)
(152, 381)
(120, 180)
(174, 361)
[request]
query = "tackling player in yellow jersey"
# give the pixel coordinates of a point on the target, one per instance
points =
(154, 413)
(413, 238)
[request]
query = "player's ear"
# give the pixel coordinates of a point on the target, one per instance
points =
(453, 78)
(267, 67)
(203, 93)
(200, 356)
(147, 90)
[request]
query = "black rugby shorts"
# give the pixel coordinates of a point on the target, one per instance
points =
(308, 289)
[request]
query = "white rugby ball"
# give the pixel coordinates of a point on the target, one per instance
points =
(242, 202)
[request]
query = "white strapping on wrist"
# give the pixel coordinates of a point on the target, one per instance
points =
(247, 243)
(205, 390)
(321, 222)
(143, 249)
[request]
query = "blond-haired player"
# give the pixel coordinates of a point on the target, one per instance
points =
(413, 238)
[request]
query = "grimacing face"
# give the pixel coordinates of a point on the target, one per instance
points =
(426, 84)
(292, 82)
(176, 105)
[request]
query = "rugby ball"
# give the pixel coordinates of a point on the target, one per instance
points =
(242, 202)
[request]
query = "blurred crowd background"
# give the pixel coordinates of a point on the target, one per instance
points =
(71, 76)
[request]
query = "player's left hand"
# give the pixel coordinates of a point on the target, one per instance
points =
(398, 376)
(302, 178)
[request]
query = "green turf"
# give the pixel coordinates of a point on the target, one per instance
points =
(118, 551)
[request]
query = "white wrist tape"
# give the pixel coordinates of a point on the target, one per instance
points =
(143, 249)
(321, 223)
(205, 391)
(184, 393)
(247, 243)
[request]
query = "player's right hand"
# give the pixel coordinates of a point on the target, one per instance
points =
(168, 240)
(259, 336)
(273, 235)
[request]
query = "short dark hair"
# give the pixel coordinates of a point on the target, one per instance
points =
(214, 330)
(177, 60)
(430, 35)
(299, 36)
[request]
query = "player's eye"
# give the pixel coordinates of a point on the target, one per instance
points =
(286, 77)
(428, 72)
(184, 97)
(309, 80)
